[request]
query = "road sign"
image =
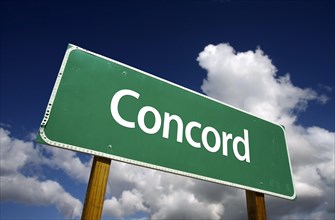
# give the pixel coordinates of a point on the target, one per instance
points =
(105, 108)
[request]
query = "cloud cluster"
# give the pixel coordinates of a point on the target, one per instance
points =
(248, 80)
(19, 160)
(160, 195)
(69, 162)
(129, 203)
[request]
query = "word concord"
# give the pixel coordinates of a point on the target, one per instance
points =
(220, 141)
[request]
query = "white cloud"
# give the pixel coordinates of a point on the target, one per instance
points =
(15, 156)
(32, 191)
(14, 153)
(181, 204)
(69, 162)
(160, 195)
(248, 80)
(129, 203)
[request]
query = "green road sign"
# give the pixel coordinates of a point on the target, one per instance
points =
(105, 108)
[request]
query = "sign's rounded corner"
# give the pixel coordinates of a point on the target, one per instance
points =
(282, 127)
(71, 48)
(43, 135)
(69, 45)
(294, 196)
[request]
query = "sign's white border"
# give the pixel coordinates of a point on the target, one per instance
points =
(97, 153)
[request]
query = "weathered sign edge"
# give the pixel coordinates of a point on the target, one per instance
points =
(44, 138)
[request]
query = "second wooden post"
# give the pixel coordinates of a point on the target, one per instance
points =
(255, 205)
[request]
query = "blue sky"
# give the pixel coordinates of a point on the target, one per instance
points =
(166, 38)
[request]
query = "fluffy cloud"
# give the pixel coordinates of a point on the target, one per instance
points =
(160, 195)
(14, 153)
(129, 203)
(181, 204)
(15, 157)
(69, 162)
(248, 80)
(39, 193)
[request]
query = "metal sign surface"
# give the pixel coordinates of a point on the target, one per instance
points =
(105, 108)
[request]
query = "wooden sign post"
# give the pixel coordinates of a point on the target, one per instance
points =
(255, 205)
(96, 188)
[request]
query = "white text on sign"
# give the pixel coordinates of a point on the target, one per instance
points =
(220, 141)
